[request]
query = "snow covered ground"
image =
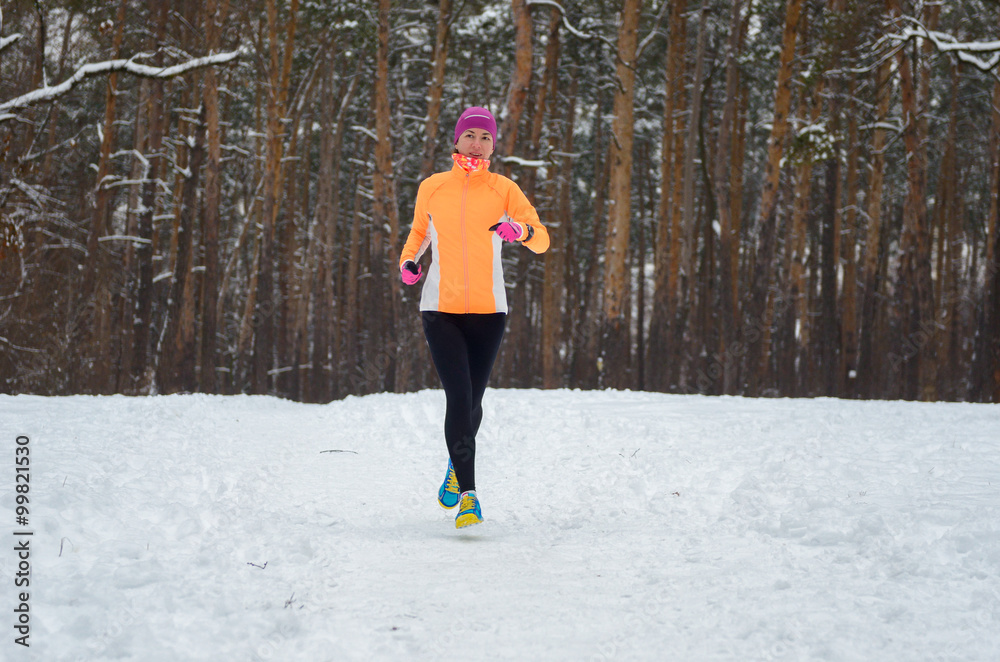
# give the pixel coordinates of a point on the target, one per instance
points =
(619, 526)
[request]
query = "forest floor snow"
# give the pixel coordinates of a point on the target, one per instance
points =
(619, 526)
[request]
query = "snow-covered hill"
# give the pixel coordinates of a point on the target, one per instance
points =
(619, 526)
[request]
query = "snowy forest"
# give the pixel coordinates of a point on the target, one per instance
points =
(753, 197)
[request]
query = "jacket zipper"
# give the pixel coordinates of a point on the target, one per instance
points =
(465, 244)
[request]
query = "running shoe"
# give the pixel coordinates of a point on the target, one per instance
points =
(469, 513)
(448, 494)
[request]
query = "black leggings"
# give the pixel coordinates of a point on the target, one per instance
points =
(463, 348)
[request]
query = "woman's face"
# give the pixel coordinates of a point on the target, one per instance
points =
(475, 143)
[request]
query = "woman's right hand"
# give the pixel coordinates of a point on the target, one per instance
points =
(410, 272)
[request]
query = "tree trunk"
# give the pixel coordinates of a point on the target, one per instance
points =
(386, 211)
(37, 69)
(849, 296)
(991, 330)
(176, 371)
(916, 356)
(952, 225)
(50, 154)
(520, 352)
(645, 187)
(352, 302)
(327, 329)
(668, 224)
(986, 367)
(759, 353)
(722, 190)
(796, 251)
(322, 226)
(830, 326)
(554, 290)
(99, 220)
(265, 306)
(139, 172)
(615, 333)
(690, 210)
(520, 80)
(95, 291)
(587, 363)
(867, 341)
(830, 335)
(994, 156)
(732, 355)
(675, 362)
(142, 378)
(214, 18)
(243, 364)
(291, 274)
(289, 287)
(436, 90)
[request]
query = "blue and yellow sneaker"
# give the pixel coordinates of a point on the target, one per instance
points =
(448, 494)
(469, 513)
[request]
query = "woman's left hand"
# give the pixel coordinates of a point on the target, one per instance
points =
(509, 231)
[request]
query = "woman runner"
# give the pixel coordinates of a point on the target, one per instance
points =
(464, 216)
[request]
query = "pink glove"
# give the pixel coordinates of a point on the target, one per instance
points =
(410, 272)
(509, 230)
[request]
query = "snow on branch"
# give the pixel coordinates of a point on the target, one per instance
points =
(125, 237)
(946, 43)
(524, 163)
(51, 92)
(365, 130)
(553, 3)
(590, 35)
(7, 41)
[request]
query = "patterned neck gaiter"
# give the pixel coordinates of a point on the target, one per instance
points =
(470, 164)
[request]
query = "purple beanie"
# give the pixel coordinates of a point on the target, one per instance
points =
(476, 117)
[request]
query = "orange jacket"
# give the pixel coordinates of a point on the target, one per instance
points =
(452, 215)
